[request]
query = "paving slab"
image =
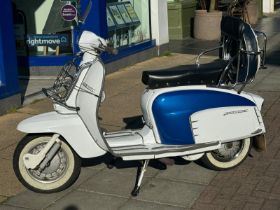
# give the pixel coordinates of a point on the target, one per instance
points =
(271, 81)
(93, 164)
(35, 85)
(170, 192)
(8, 152)
(271, 205)
(9, 184)
(85, 175)
(120, 85)
(193, 46)
(191, 173)
(37, 107)
(7, 207)
(32, 200)
(165, 61)
(79, 200)
(118, 183)
(202, 206)
(133, 204)
(121, 106)
(8, 133)
(269, 97)
(2, 199)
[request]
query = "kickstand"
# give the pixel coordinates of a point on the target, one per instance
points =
(139, 178)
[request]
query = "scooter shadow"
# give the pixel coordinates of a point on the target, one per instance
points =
(134, 122)
(112, 162)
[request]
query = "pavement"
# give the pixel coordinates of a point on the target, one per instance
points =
(255, 184)
(31, 87)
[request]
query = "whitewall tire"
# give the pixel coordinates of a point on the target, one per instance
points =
(229, 156)
(61, 172)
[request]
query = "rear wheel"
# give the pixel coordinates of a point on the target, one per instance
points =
(61, 172)
(228, 156)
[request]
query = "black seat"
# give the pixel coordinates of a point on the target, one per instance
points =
(203, 74)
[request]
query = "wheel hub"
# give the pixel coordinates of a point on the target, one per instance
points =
(54, 170)
(228, 151)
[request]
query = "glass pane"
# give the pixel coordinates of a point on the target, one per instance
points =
(37, 17)
(128, 22)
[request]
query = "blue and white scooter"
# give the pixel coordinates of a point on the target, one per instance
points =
(198, 111)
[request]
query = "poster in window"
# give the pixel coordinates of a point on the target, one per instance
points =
(116, 14)
(110, 21)
(132, 12)
(124, 13)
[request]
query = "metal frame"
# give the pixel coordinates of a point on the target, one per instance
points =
(227, 68)
(263, 50)
(65, 82)
(205, 52)
(225, 71)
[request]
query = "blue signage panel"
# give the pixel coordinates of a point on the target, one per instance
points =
(34, 40)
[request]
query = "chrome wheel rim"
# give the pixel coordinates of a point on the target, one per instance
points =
(54, 170)
(228, 151)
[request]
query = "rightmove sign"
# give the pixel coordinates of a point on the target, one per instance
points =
(34, 40)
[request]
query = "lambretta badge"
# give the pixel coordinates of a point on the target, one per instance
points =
(236, 112)
(88, 87)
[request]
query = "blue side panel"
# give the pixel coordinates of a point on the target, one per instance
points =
(172, 111)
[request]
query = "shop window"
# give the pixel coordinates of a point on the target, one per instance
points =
(42, 17)
(128, 22)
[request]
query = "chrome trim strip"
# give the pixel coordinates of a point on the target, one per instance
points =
(164, 149)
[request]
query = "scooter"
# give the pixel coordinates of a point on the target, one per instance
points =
(197, 112)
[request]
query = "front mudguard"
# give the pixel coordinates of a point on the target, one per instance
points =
(70, 126)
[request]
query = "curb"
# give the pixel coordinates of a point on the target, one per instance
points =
(26, 100)
(37, 77)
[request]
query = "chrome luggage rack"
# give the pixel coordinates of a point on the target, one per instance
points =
(65, 82)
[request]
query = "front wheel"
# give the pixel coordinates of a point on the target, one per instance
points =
(61, 172)
(228, 156)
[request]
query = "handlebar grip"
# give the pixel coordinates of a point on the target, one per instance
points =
(112, 50)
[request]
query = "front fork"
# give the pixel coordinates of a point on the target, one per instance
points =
(32, 161)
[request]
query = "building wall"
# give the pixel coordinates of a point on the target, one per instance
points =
(159, 21)
(9, 86)
(268, 6)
